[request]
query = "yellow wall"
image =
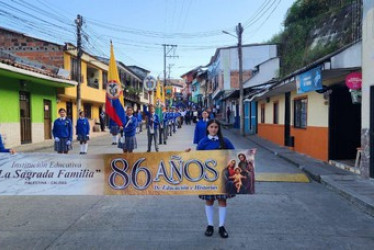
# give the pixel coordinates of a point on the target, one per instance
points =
(94, 112)
(269, 109)
(88, 94)
(318, 109)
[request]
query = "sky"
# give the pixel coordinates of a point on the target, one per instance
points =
(139, 28)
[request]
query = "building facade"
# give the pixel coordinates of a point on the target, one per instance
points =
(28, 100)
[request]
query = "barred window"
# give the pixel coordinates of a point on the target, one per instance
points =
(74, 69)
(105, 79)
(262, 113)
(300, 112)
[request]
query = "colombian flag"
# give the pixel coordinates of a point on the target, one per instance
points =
(114, 93)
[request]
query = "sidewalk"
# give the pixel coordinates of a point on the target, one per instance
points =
(357, 190)
(31, 147)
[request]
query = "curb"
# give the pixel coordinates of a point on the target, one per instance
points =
(354, 198)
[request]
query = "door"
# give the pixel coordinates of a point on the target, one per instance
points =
(47, 120)
(253, 114)
(25, 116)
(344, 124)
(246, 115)
(288, 139)
(69, 110)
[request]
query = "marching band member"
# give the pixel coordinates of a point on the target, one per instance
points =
(114, 130)
(62, 132)
(153, 122)
(83, 132)
(3, 149)
(215, 140)
(128, 143)
(200, 129)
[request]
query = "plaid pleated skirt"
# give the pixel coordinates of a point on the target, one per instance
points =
(216, 197)
(83, 138)
(129, 143)
(114, 130)
(61, 146)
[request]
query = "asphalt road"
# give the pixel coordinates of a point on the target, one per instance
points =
(281, 215)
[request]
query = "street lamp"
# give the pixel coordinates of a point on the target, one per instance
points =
(239, 32)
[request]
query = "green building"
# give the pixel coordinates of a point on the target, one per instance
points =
(27, 102)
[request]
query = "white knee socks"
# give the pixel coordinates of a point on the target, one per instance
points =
(84, 148)
(209, 211)
(114, 139)
(222, 216)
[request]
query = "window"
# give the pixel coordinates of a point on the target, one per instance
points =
(105, 79)
(275, 112)
(262, 113)
(74, 69)
(300, 112)
(87, 110)
(93, 77)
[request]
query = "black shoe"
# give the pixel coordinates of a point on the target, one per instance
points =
(148, 151)
(81, 153)
(222, 231)
(209, 231)
(156, 149)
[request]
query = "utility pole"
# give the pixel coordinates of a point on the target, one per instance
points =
(239, 32)
(168, 48)
(79, 22)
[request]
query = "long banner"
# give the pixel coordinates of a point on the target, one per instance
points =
(162, 173)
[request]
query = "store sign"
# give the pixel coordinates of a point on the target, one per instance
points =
(354, 80)
(149, 83)
(309, 81)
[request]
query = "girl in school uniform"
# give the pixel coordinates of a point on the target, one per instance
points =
(62, 132)
(200, 129)
(114, 130)
(3, 149)
(215, 140)
(83, 132)
(128, 143)
(153, 121)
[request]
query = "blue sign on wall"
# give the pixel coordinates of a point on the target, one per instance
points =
(309, 81)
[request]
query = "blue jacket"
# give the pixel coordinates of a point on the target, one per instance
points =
(63, 128)
(156, 121)
(165, 118)
(174, 116)
(200, 131)
(130, 129)
(82, 127)
(139, 117)
(207, 144)
(2, 148)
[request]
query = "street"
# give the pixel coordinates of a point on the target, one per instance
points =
(281, 215)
